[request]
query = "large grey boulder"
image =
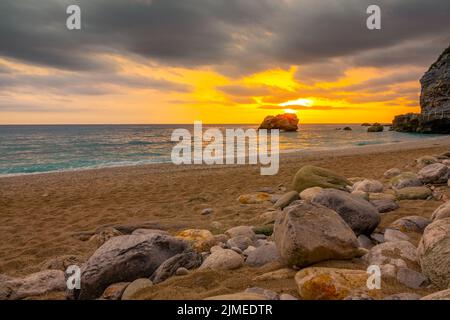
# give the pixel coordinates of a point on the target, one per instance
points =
(307, 233)
(358, 213)
(189, 259)
(434, 252)
(126, 258)
(435, 173)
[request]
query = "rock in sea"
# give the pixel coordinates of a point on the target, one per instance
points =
(284, 122)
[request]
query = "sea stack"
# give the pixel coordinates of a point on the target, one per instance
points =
(434, 101)
(284, 122)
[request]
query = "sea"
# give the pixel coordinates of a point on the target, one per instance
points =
(31, 149)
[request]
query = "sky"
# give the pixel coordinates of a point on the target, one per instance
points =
(217, 61)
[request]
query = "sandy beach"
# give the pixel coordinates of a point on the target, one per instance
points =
(44, 216)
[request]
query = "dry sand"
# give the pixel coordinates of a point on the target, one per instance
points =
(39, 214)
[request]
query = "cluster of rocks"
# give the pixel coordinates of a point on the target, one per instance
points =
(324, 217)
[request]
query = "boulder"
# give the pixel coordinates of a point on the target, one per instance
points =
(267, 253)
(404, 180)
(414, 193)
(134, 287)
(411, 224)
(32, 285)
(126, 258)
(311, 176)
(411, 278)
(442, 211)
(358, 213)
(264, 230)
(286, 199)
(201, 240)
(368, 186)
(436, 173)
(223, 259)
(307, 233)
(364, 242)
(434, 253)
(316, 283)
(284, 122)
(188, 259)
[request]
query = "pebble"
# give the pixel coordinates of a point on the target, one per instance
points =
(207, 211)
(181, 271)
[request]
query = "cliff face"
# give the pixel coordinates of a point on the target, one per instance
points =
(434, 101)
(435, 94)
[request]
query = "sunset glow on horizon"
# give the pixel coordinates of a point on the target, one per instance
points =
(217, 70)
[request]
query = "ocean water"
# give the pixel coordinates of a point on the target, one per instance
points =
(35, 149)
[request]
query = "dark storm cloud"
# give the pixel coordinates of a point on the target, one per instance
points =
(223, 33)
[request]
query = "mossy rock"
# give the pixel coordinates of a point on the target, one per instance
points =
(312, 176)
(266, 229)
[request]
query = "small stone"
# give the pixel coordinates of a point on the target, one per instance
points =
(368, 186)
(434, 173)
(269, 294)
(201, 240)
(241, 242)
(261, 236)
(405, 179)
(280, 274)
(262, 255)
(391, 235)
(410, 278)
(254, 198)
(385, 205)
(207, 211)
(414, 193)
(241, 231)
(238, 296)
(223, 260)
(237, 250)
(364, 242)
(425, 161)
(266, 229)
(285, 296)
(221, 238)
(115, 291)
(182, 271)
(310, 193)
(392, 173)
(286, 199)
(403, 296)
(104, 235)
(377, 237)
(134, 287)
(247, 251)
(411, 224)
(216, 225)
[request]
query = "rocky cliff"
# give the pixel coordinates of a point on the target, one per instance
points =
(434, 101)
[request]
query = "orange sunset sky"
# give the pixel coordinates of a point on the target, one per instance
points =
(167, 61)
